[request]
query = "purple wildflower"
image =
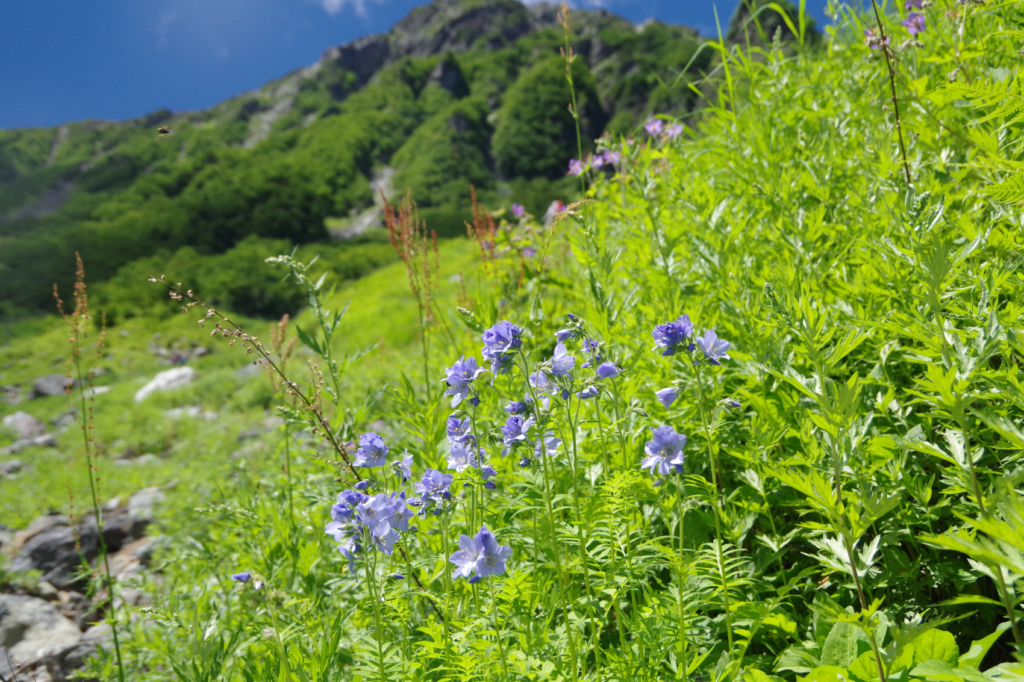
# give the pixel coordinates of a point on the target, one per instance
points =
(371, 451)
(667, 396)
(383, 537)
(714, 348)
(480, 554)
(405, 467)
(516, 407)
(607, 370)
(671, 335)
(596, 161)
(458, 429)
(518, 210)
(529, 252)
(500, 341)
(575, 167)
(612, 157)
(548, 445)
(561, 362)
(242, 577)
(674, 130)
(664, 451)
(515, 432)
(654, 126)
(588, 393)
(459, 377)
(914, 23)
(461, 457)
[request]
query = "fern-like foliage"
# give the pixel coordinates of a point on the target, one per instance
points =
(1008, 99)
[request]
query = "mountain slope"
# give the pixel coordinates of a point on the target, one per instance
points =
(428, 98)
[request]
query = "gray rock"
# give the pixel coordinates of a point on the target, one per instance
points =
(24, 425)
(6, 536)
(11, 467)
(51, 384)
(166, 381)
(31, 627)
(47, 440)
(66, 418)
(62, 663)
(53, 546)
(10, 394)
(141, 508)
(144, 460)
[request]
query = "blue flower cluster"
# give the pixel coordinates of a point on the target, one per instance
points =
(358, 519)
(480, 555)
(500, 343)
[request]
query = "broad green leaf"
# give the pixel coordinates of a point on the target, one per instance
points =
(976, 654)
(937, 670)
(865, 667)
(828, 673)
(840, 646)
(936, 645)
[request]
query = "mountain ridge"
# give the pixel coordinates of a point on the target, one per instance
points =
(458, 92)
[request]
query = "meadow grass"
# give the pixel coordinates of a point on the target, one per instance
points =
(832, 494)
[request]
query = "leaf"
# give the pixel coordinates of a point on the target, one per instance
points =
(970, 599)
(828, 673)
(309, 341)
(936, 645)
(840, 646)
(937, 670)
(976, 654)
(865, 667)
(755, 675)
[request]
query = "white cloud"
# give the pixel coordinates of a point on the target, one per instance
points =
(166, 19)
(333, 7)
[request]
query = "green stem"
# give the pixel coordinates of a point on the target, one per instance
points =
(551, 520)
(681, 585)
(719, 506)
(447, 590)
(277, 636)
(497, 631)
(97, 514)
(371, 587)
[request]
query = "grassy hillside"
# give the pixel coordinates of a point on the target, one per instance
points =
(751, 412)
(428, 99)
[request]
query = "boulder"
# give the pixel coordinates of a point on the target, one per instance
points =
(141, 508)
(47, 440)
(166, 381)
(53, 546)
(24, 425)
(10, 394)
(30, 628)
(10, 467)
(51, 384)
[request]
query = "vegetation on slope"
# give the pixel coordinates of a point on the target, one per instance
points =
(276, 162)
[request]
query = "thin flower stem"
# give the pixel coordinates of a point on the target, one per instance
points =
(892, 84)
(595, 625)
(682, 583)
(371, 579)
(497, 630)
(719, 506)
(562, 583)
(277, 636)
(447, 588)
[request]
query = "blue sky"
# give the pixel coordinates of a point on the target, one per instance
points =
(67, 60)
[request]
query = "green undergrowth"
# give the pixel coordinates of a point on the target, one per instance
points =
(834, 494)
